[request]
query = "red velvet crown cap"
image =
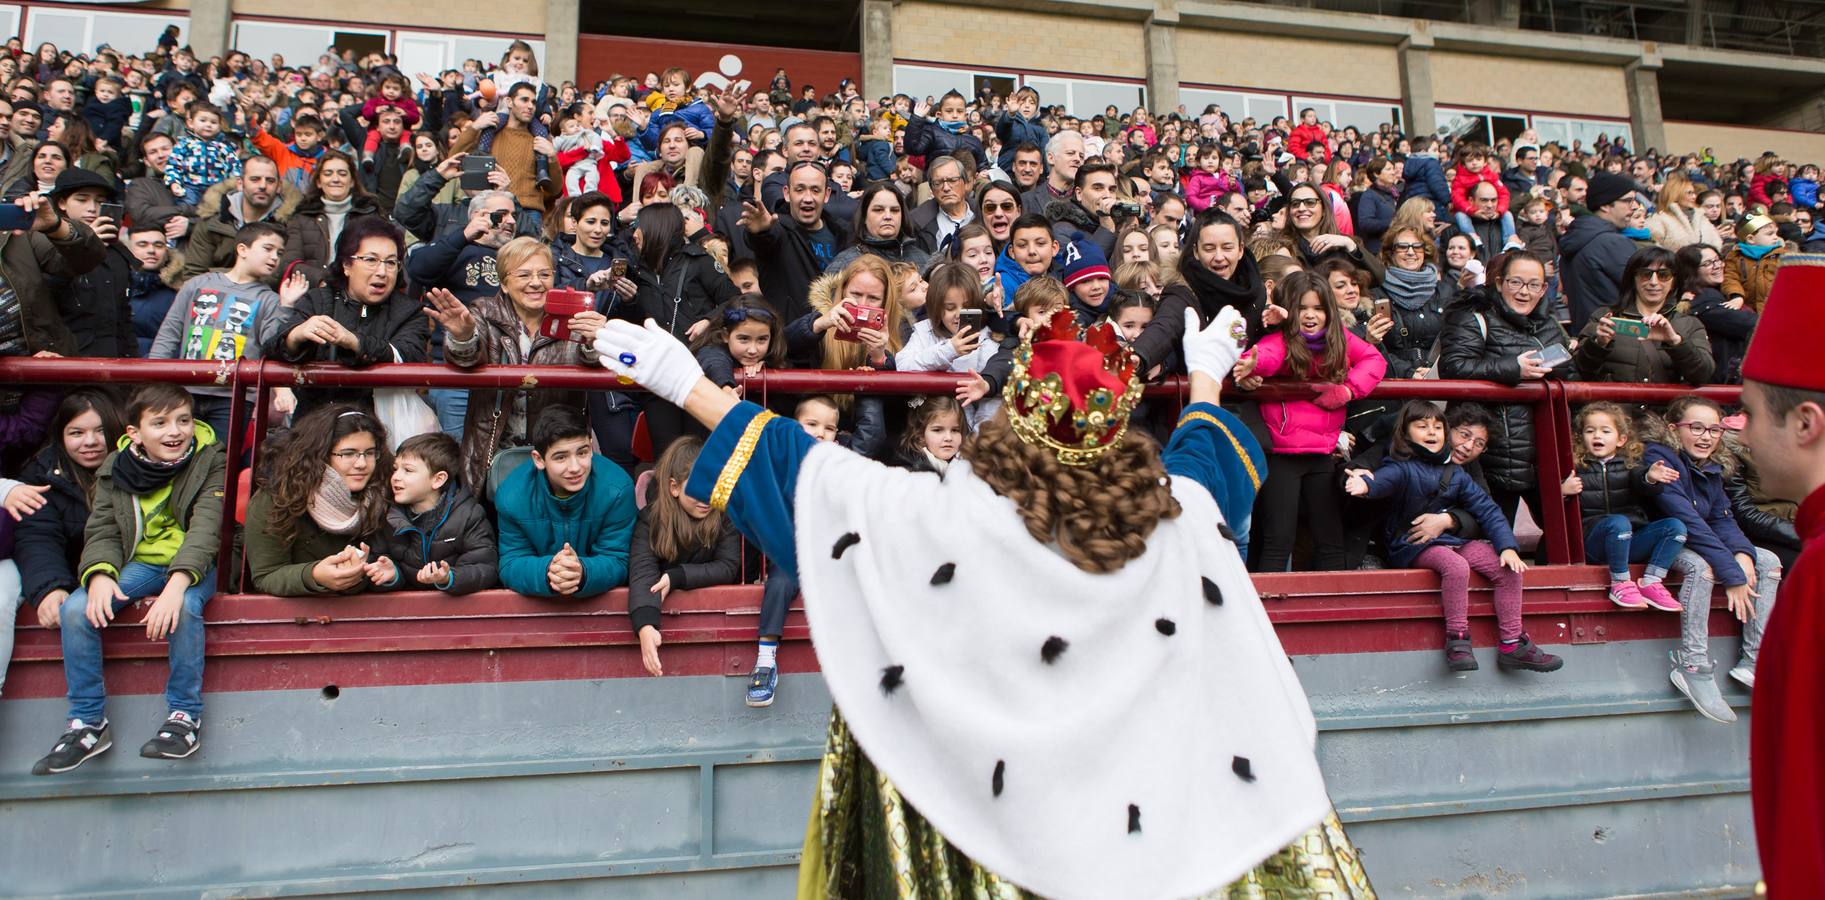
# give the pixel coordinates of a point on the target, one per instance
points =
(1081, 369)
(1792, 327)
(1071, 389)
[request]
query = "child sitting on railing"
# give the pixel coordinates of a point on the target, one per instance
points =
(1420, 478)
(680, 543)
(1612, 486)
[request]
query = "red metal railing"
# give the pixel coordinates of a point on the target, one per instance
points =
(1551, 401)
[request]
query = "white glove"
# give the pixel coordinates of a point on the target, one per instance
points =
(1215, 349)
(661, 363)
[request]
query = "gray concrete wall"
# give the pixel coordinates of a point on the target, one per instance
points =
(1594, 781)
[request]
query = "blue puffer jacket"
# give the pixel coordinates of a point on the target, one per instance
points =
(1698, 499)
(1425, 178)
(1805, 192)
(597, 522)
(925, 137)
(1015, 129)
(697, 115)
(1414, 487)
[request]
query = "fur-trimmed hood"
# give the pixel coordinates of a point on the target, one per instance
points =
(1069, 211)
(822, 293)
(214, 226)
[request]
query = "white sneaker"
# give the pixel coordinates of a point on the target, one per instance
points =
(1744, 674)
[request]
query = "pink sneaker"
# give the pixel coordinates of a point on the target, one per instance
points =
(1626, 595)
(1657, 596)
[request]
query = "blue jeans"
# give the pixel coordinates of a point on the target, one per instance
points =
(1614, 541)
(451, 406)
(1468, 227)
(82, 645)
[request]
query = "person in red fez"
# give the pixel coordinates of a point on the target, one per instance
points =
(1784, 397)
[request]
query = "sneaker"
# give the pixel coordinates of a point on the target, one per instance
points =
(1527, 655)
(75, 748)
(176, 739)
(1626, 595)
(1457, 653)
(761, 686)
(1699, 684)
(1745, 674)
(1657, 596)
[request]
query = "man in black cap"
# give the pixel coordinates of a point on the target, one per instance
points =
(95, 304)
(1595, 249)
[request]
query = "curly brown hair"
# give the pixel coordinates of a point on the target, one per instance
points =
(299, 461)
(1100, 515)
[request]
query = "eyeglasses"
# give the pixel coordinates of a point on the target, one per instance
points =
(390, 264)
(1408, 247)
(1655, 275)
(1701, 430)
(1304, 203)
(349, 456)
(1712, 263)
(540, 275)
(1516, 284)
(1003, 206)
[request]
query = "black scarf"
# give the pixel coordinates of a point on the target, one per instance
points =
(1243, 289)
(140, 476)
(1432, 457)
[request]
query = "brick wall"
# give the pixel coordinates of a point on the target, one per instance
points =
(519, 17)
(1287, 64)
(1018, 40)
(1746, 142)
(1543, 86)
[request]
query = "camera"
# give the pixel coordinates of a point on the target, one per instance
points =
(1125, 209)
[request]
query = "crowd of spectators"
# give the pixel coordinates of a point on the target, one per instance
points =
(344, 211)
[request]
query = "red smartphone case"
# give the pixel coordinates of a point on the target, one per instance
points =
(560, 305)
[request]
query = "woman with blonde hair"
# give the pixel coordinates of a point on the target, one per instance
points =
(503, 330)
(1678, 221)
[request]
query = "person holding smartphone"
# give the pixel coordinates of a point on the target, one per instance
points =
(1644, 338)
(96, 307)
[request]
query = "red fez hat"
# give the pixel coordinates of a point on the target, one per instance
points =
(1790, 328)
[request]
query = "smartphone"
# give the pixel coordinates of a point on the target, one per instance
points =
(1554, 356)
(970, 320)
(113, 212)
(618, 268)
(872, 317)
(1384, 308)
(1634, 328)
(12, 218)
(476, 167)
(560, 305)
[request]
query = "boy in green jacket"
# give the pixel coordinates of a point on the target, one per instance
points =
(155, 527)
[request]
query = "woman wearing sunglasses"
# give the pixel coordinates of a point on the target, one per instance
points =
(1644, 338)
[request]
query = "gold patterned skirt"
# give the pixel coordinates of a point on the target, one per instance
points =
(863, 842)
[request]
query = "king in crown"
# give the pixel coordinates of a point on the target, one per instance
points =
(960, 621)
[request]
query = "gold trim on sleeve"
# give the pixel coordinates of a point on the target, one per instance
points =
(738, 460)
(1248, 463)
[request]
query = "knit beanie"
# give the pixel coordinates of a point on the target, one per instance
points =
(1081, 259)
(1607, 188)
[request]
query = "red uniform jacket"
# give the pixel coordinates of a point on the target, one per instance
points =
(1787, 730)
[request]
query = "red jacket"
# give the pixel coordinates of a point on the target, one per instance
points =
(1787, 729)
(1302, 426)
(1304, 135)
(1463, 181)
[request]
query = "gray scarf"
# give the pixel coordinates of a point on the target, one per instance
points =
(1411, 289)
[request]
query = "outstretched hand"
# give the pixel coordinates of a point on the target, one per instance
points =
(1214, 349)
(650, 356)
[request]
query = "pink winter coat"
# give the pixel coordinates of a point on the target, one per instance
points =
(1302, 426)
(1203, 188)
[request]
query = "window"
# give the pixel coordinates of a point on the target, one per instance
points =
(303, 43)
(424, 51)
(919, 82)
(1585, 131)
(9, 20)
(81, 31)
(1462, 124)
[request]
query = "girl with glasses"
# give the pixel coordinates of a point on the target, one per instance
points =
(320, 505)
(1689, 438)
(1644, 338)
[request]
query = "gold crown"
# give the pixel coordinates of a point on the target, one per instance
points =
(1071, 390)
